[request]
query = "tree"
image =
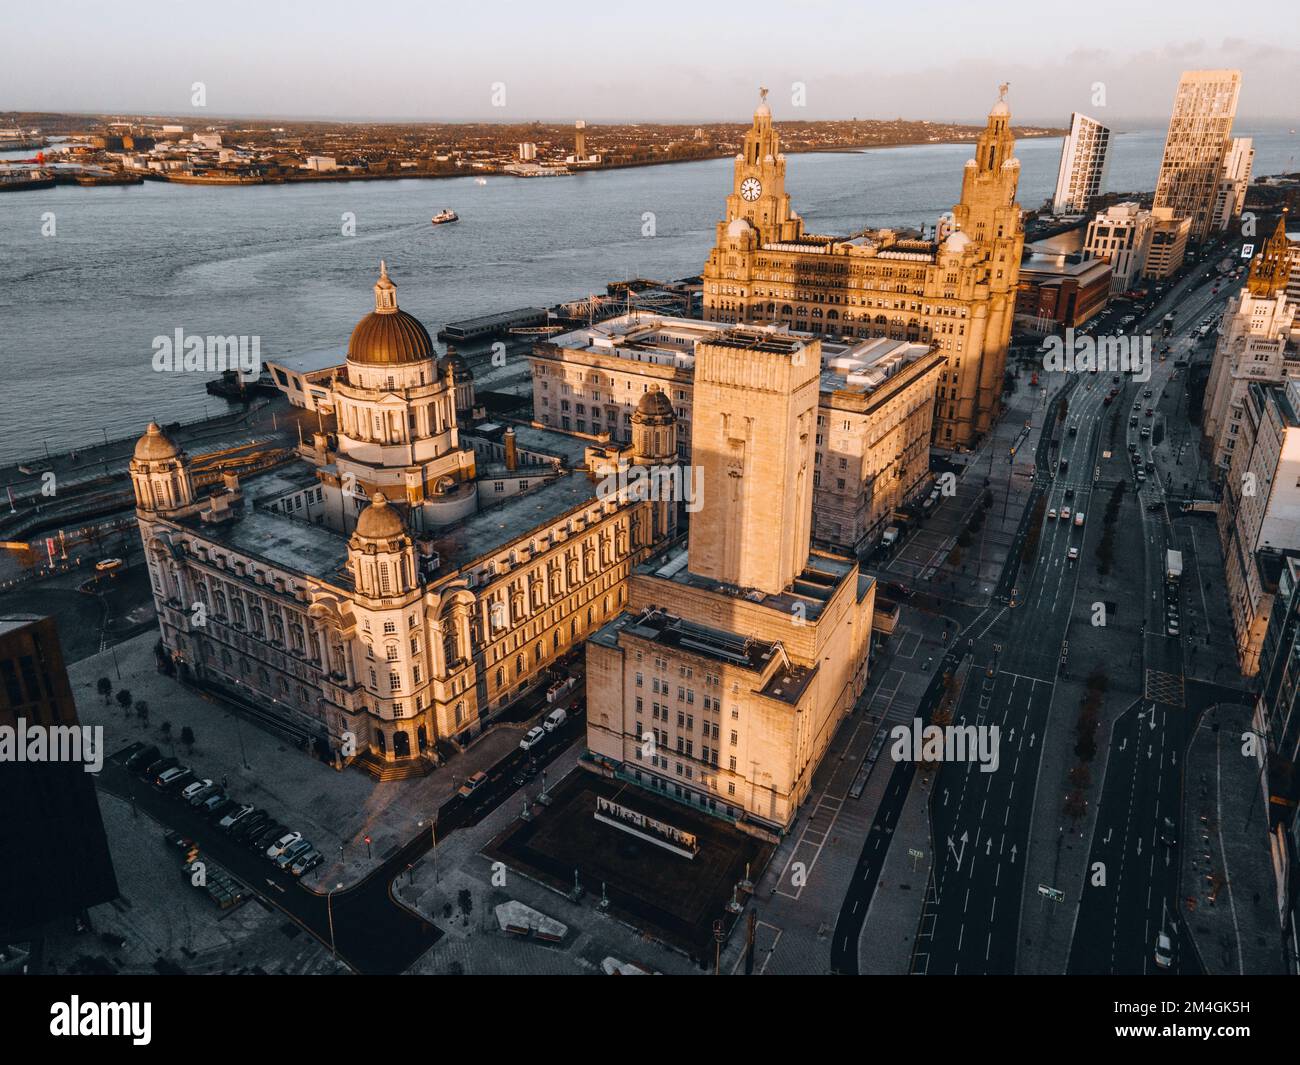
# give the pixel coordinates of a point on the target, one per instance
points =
(166, 729)
(124, 699)
(1075, 805)
(105, 688)
(187, 737)
(1081, 776)
(1086, 748)
(142, 711)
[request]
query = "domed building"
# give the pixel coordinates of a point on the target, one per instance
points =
(397, 428)
(359, 593)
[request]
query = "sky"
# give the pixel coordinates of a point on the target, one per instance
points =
(661, 61)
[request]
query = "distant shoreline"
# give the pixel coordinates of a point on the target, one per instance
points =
(294, 178)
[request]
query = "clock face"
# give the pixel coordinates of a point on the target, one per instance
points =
(751, 189)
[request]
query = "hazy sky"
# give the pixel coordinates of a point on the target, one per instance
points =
(653, 60)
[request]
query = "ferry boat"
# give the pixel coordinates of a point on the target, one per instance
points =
(444, 216)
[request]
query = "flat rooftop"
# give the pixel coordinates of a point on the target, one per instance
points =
(282, 541)
(311, 361)
(660, 627)
(494, 527)
(277, 482)
(810, 591)
(847, 364)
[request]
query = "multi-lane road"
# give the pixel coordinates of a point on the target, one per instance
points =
(981, 820)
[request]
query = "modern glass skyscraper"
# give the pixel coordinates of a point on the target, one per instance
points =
(1199, 139)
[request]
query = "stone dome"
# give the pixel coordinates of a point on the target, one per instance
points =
(380, 520)
(654, 404)
(388, 336)
(956, 241)
(738, 228)
(155, 445)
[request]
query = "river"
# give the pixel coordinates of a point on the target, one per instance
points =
(79, 309)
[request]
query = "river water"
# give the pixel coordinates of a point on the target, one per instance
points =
(79, 310)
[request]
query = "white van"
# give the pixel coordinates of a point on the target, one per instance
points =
(556, 718)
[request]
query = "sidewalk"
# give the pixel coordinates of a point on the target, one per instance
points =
(1226, 880)
(335, 809)
(799, 896)
(970, 575)
(889, 932)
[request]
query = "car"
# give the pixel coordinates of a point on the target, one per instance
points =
(1147, 393)
(190, 790)
(204, 793)
(472, 784)
(1069, 492)
(283, 843)
(1164, 953)
(1065, 513)
(232, 816)
(1132, 446)
(264, 835)
(213, 799)
(1171, 629)
(106, 564)
(306, 862)
(1150, 412)
(142, 758)
(1157, 505)
(175, 777)
(1074, 430)
(533, 738)
(1078, 519)
(250, 824)
(175, 839)
(222, 808)
(1051, 514)
(1137, 404)
(157, 767)
(555, 719)
(1146, 432)
(1150, 466)
(1063, 466)
(524, 773)
(1073, 554)
(291, 852)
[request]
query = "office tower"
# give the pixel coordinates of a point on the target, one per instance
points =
(1197, 145)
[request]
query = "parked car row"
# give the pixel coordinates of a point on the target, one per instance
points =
(243, 822)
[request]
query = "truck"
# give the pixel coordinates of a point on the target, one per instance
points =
(890, 537)
(1173, 566)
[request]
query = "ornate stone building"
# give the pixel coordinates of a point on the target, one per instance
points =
(1259, 342)
(738, 654)
(957, 291)
(367, 598)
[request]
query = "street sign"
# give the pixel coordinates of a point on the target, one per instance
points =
(912, 852)
(1055, 894)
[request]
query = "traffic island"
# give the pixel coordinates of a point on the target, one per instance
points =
(666, 870)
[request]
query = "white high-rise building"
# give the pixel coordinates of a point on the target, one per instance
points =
(1233, 182)
(1083, 165)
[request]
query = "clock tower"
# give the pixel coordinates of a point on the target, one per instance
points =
(758, 192)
